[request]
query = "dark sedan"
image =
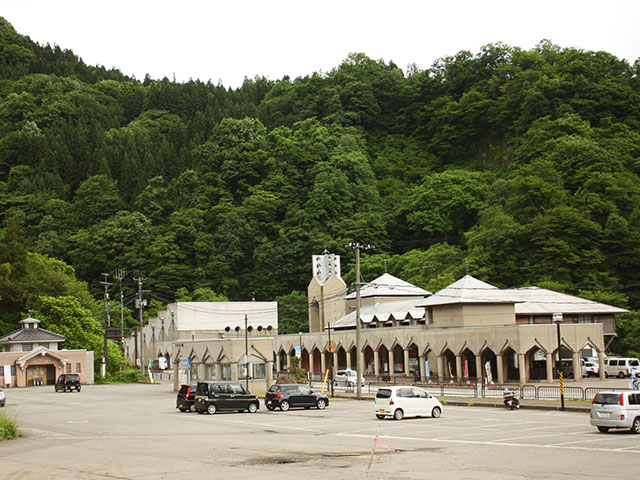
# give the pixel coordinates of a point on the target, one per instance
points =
(286, 396)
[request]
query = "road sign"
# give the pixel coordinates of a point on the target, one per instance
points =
(557, 317)
(298, 352)
(331, 346)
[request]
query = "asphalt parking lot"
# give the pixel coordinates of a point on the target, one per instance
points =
(135, 432)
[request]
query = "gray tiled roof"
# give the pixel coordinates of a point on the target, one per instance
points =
(31, 335)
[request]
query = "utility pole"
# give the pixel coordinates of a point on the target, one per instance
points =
(140, 305)
(103, 365)
(246, 352)
(357, 247)
(120, 274)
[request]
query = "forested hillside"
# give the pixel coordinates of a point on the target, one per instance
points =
(518, 166)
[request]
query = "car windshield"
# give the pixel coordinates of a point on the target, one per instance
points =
(383, 393)
(608, 399)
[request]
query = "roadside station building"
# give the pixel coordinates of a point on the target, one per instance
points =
(468, 331)
(31, 357)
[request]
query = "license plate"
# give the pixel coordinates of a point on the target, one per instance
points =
(603, 414)
(382, 410)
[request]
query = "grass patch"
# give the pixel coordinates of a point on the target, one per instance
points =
(8, 428)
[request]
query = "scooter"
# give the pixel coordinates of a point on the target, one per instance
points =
(510, 401)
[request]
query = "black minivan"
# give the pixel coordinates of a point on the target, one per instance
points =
(186, 397)
(67, 382)
(212, 396)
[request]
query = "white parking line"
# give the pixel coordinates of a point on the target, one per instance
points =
(492, 443)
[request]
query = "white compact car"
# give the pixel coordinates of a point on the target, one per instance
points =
(406, 401)
(616, 409)
(347, 378)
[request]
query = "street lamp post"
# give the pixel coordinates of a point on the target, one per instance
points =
(557, 318)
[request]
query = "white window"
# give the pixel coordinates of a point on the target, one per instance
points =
(259, 370)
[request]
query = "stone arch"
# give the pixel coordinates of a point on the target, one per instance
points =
(510, 365)
(449, 364)
(304, 359)
(413, 369)
(488, 355)
(383, 356)
(468, 364)
(368, 355)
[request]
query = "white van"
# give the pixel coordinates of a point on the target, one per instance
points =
(620, 366)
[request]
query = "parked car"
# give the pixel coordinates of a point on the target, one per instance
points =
(186, 397)
(346, 377)
(2, 398)
(567, 367)
(67, 382)
(212, 396)
(290, 395)
(406, 401)
(617, 409)
(620, 367)
(592, 368)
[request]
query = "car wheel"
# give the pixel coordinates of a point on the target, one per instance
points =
(635, 427)
(253, 408)
(78, 389)
(436, 412)
(211, 408)
(379, 417)
(621, 375)
(200, 412)
(603, 429)
(398, 414)
(284, 405)
(270, 407)
(192, 408)
(183, 410)
(321, 404)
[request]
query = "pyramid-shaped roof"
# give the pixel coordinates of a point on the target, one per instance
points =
(537, 301)
(387, 285)
(468, 290)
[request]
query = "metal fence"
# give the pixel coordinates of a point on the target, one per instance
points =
(442, 387)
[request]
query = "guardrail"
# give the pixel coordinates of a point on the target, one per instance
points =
(445, 387)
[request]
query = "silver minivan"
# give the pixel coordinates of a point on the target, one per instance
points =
(616, 409)
(620, 366)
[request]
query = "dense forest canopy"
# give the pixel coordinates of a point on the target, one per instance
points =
(521, 167)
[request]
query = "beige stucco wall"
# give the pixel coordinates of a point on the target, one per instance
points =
(472, 315)
(326, 302)
(433, 342)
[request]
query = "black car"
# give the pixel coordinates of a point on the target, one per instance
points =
(214, 395)
(287, 395)
(186, 397)
(67, 382)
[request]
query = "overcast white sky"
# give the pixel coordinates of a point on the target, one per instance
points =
(230, 40)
